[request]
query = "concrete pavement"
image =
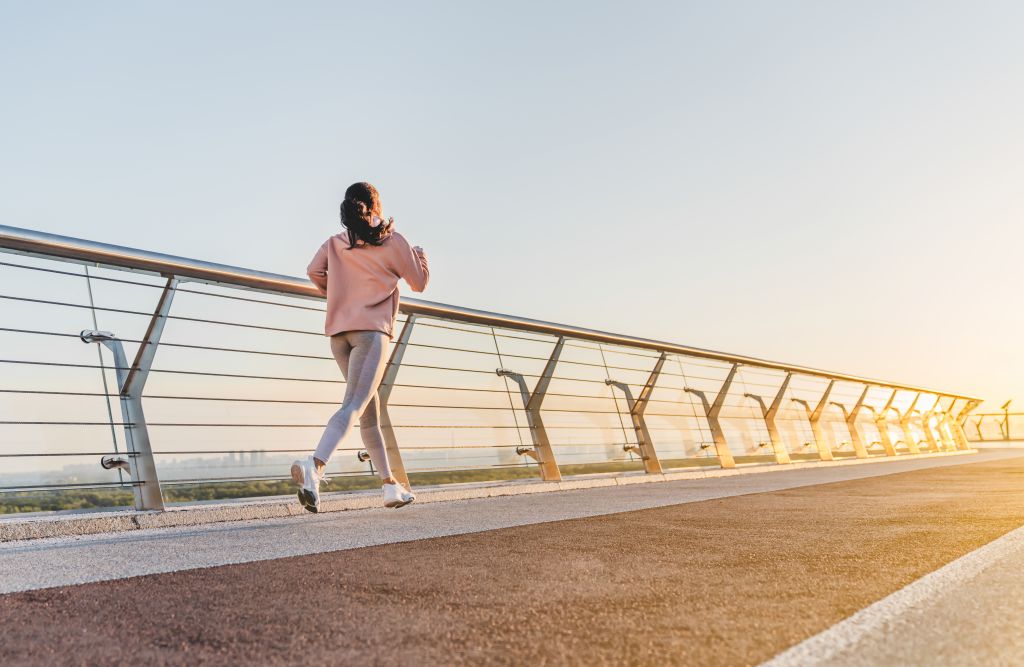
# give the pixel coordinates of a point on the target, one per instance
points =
(32, 564)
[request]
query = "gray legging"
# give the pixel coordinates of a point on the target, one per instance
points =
(362, 356)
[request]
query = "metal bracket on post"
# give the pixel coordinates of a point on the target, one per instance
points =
(850, 417)
(712, 410)
(528, 451)
(645, 445)
(116, 463)
(131, 381)
(387, 384)
(542, 451)
(814, 419)
(769, 413)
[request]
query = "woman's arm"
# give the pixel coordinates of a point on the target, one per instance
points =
(413, 266)
(317, 269)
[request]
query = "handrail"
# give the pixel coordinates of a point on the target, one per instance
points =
(45, 244)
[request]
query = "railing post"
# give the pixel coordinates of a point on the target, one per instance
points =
(850, 417)
(387, 384)
(957, 425)
(883, 425)
(769, 413)
(712, 410)
(933, 445)
(946, 438)
(814, 419)
(131, 381)
(977, 427)
(1004, 428)
(908, 432)
(929, 438)
(542, 451)
(936, 412)
(929, 435)
(645, 444)
(950, 424)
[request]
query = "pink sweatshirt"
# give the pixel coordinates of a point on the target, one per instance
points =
(361, 283)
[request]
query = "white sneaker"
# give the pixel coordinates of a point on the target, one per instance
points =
(396, 495)
(305, 475)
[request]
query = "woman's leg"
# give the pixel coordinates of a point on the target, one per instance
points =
(373, 439)
(361, 356)
(341, 349)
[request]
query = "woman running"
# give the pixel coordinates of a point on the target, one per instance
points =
(358, 270)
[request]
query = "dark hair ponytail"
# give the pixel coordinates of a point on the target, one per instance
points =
(358, 210)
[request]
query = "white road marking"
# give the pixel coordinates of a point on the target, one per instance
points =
(881, 621)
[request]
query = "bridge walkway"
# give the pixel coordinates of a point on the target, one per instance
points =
(723, 571)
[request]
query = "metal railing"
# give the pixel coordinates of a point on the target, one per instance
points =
(1002, 425)
(243, 384)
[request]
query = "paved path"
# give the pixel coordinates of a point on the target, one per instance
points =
(969, 612)
(732, 580)
(57, 562)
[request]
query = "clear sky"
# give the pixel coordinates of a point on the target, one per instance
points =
(837, 184)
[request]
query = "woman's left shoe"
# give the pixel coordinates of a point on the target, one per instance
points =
(305, 474)
(396, 495)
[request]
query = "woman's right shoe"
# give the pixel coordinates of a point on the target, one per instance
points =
(306, 476)
(396, 495)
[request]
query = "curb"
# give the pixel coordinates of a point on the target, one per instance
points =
(72, 525)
